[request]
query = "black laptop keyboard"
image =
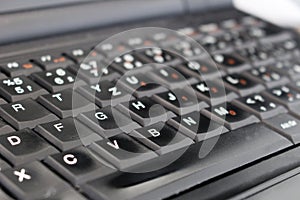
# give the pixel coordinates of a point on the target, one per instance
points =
(140, 131)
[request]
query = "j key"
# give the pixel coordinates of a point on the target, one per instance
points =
(53, 61)
(158, 56)
(78, 165)
(129, 63)
(161, 138)
(289, 68)
(57, 79)
(241, 84)
(94, 71)
(105, 93)
(286, 125)
(112, 49)
(188, 50)
(108, 121)
(122, 151)
(83, 54)
(141, 85)
(172, 78)
(287, 96)
(66, 103)
(260, 105)
(24, 146)
(197, 126)
(25, 113)
(180, 101)
(32, 181)
(231, 63)
(5, 128)
(267, 76)
(213, 93)
(200, 69)
(67, 133)
(230, 115)
(145, 111)
(18, 88)
(18, 68)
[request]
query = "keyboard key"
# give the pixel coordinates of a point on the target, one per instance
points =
(18, 88)
(145, 111)
(289, 68)
(112, 49)
(56, 80)
(180, 101)
(231, 63)
(260, 105)
(230, 115)
(108, 121)
(80, 55)
(129, 63)
(32, 181)
(67, 133)
(18, 68)
(197, 126)
(213, 93)
(229, 152)
(78, 165)
(188, 49)
(172, 78)
(52, 61)
(69, 194)
(267, 76)
(94, 71)
(105, 93)
(158, 56)
(5, 128)
(66, 103)
(286, 125)
(122, 151)
(161, 138)
(25, 114)
(200, 69)
(24, 146)
(141, 85)
(241, 84)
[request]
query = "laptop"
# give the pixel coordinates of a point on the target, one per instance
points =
(152, 99)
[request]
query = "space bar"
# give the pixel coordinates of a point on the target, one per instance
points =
(230, 151)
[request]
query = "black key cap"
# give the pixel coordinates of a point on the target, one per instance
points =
(267, 76)
(18, 88)
(180, 101)
(105, 93)
(53, 61)
(260, 105)
(200, 69)
(56, 80)
(158, 56)
(289, 67)
(67, 133)
(230, 151)
(80, 55)
(141, 85)
(108, 121)
(94, 71)
(18, 68)
(241, 84)
(286, 125)
(78, 165)
(188, 49)
(145, 111)
(66, 103)
(257, 55)
(25, 113)
(230, 115)
(5, 128)
(197, 126)
(32, 181)
(161, 138)
(172, 78)
(112, 49)
(122, 151)
(231, 63)
(24, 146)
(213, 93)
(129, 63)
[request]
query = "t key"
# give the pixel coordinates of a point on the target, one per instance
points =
(25, 113)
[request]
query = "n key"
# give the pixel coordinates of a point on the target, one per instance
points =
(25, 113)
